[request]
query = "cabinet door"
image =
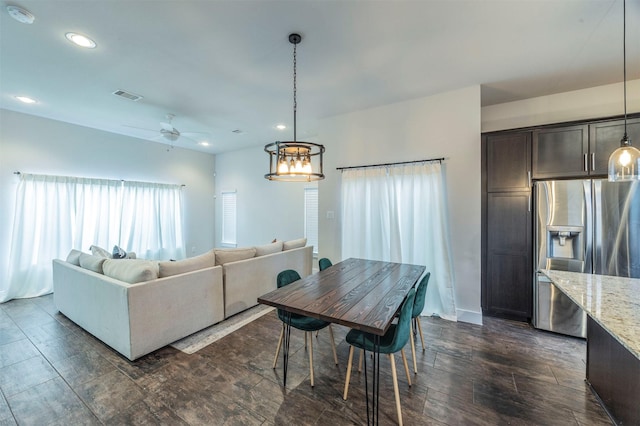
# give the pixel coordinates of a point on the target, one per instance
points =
(605, 138)
(508, 287)
(508, 162)
(560, 152)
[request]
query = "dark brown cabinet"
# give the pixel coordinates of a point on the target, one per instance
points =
(510, 161)
(561, 152)
(508, 164)
(604, 138)
(507, 269)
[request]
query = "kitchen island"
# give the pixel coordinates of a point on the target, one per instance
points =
(612, 305)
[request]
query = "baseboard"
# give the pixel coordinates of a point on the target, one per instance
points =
(469, 316)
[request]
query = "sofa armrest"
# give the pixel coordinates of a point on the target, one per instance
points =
(95, 302)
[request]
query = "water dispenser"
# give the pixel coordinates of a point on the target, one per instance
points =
(565, 242)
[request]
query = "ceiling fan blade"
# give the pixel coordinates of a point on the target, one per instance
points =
(140, 128)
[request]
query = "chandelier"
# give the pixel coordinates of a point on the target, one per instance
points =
(294, 161)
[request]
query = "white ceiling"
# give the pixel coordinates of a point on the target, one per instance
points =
(221, 66)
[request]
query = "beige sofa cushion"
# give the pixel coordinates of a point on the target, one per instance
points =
(74, 257)
(99, 251)
(292, 244)
(169, 268)
(269, 248)
(131, 270)
(91, 262)
(233, 255)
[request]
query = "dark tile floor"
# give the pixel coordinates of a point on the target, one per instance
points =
(54, 373)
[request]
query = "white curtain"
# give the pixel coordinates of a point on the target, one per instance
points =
(54, 214)
(399, 214)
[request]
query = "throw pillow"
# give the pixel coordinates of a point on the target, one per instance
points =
(292, 244)
(169, 268)
(99, 251)
(91, 262)
(233, 255)
(74, 257)
(274, 247)
(131, 270)
(118, 253)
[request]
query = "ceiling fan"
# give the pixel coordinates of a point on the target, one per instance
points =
(170, 134)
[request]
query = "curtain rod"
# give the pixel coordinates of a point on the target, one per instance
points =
(439, 160)
(121, 180)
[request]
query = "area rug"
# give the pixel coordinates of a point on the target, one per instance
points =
(209, 335)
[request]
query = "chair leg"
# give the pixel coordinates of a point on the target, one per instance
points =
(395, 388)
(420, 330)
(413, 348)
(310, 354)
(333, 345)
(406, 366)
(346, 380)
(275, 359)
(305, 340)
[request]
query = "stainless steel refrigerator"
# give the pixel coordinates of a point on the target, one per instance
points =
(590, 226)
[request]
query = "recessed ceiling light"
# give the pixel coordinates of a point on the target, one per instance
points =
(80, 40)
(20, 14)
(204, 143)
(26, 99)
(280, 126)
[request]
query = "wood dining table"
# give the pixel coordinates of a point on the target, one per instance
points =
(357, 293)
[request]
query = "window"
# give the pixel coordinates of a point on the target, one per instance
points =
(229, 218)
(311, 217)
(57, 213)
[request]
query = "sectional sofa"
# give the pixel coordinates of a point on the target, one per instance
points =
(136, 306)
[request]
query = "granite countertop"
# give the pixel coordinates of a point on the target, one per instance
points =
(613, 302)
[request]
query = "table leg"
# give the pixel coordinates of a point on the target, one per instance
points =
(373, 419)
(285, 352)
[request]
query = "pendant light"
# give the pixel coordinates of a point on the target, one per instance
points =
(624, 162)
(294, 161)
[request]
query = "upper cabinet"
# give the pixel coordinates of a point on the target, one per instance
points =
(605, 138)
(561, 152)
(581, 150)
(508, 162)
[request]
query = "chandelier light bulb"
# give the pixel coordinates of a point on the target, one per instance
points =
(625, 158)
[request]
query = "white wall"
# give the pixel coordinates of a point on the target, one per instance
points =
(445, 125)
(265, 209)
(36, 145)
(595, 102)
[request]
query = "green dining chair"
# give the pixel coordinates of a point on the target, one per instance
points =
(301, 322)
(324, 263)
(394, 340)
(418, 306)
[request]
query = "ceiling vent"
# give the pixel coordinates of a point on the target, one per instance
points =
(127, 95)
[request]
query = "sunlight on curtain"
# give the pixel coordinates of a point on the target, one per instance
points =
(54, 214)
(399, 214)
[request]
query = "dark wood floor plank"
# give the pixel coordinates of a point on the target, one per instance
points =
(503, 372)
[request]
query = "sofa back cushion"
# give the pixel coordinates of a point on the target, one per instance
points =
(74, 257)
(269, 248)
(131, 270)
(99, 251)
(233, 255)
(169, 268)
(292, 244)
(91, 262)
